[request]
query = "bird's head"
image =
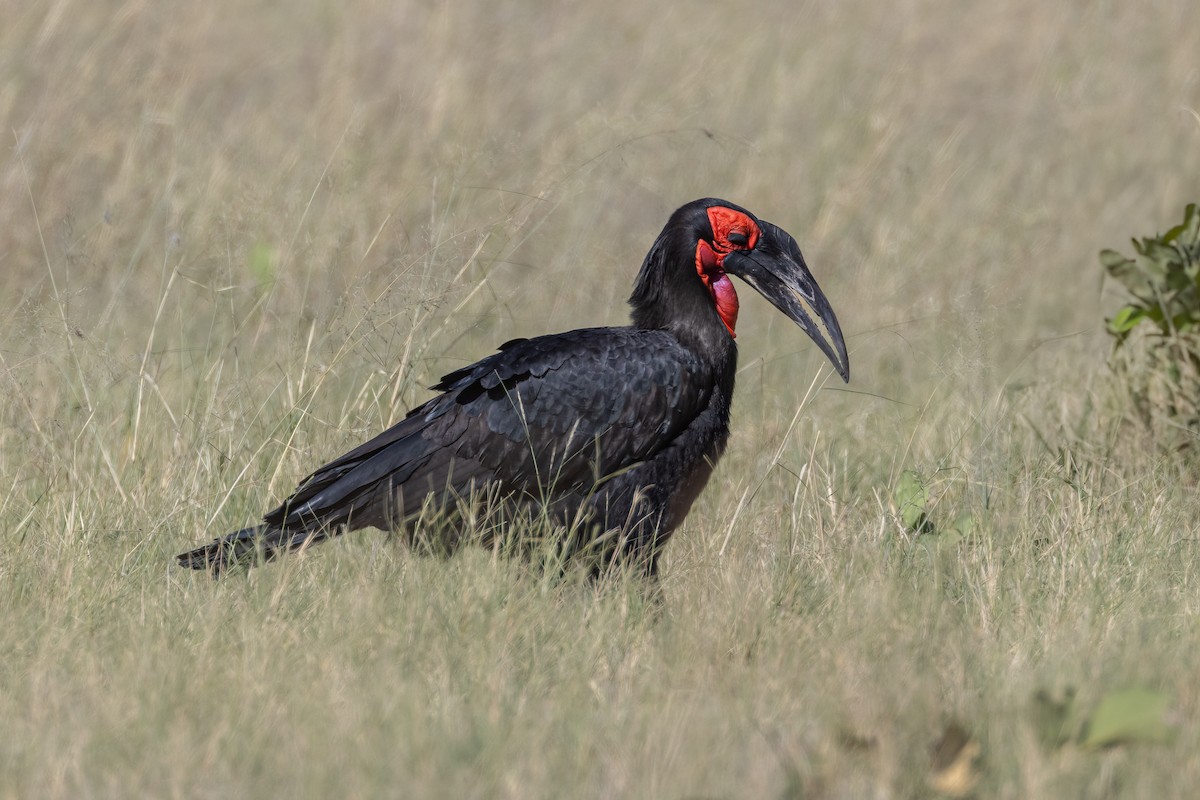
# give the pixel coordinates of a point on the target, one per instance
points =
(705, 242)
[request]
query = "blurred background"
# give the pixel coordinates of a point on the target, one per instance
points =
(951, 169)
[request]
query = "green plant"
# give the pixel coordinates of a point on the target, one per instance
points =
(1162, 372)
(1164, 280)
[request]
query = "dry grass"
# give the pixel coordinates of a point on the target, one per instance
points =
(238, 240)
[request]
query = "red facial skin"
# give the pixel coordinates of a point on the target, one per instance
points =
(709, 258)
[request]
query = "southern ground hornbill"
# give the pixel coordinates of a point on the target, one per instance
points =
(605, 434)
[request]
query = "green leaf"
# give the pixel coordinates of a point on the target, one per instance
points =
(1112, 260)
(1128, 715)
(938, 542)
(1125, 270)
(1188, 231)
(1190, 235)
(262, 262)
(1125, 319)
(965, 525)
(1161, 255)
(912, 499)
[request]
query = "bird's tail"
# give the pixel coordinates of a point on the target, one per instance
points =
(256, 544)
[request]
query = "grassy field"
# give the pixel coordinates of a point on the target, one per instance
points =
(237, 240)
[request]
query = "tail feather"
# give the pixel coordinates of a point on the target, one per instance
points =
(256, 544)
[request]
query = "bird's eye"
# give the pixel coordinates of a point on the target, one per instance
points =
(738, 238)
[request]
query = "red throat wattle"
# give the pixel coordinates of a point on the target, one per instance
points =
(708, 266)
(725, 222)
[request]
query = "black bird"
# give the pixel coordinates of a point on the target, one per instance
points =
(611, 433)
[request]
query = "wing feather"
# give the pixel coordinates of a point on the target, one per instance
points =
(554, 413)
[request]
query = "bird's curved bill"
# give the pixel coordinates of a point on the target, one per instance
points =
(776, 270)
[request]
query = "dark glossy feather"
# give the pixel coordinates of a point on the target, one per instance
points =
(544, 419)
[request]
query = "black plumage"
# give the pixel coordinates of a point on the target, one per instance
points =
(612, 432)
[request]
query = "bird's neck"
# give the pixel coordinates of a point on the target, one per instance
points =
(691, 319)
(669, 296)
